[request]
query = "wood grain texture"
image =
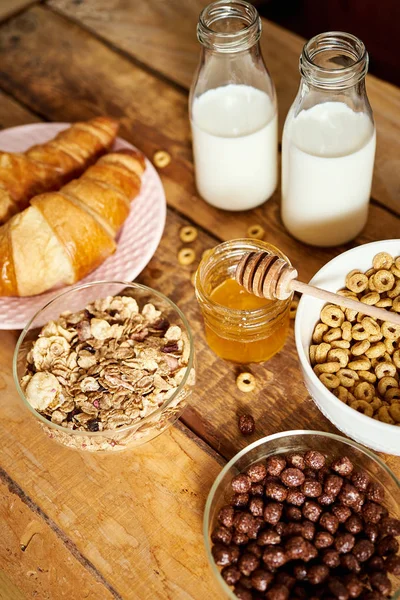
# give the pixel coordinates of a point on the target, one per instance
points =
(136, 516)
(10, 7)
(162, 35)
(13, 114)
(61, 71)
(46, 562)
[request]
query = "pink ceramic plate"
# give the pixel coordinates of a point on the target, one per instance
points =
(137, 241)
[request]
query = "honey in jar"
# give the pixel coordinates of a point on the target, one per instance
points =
(239, 326)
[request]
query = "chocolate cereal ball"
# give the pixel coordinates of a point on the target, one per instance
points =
(225, 515)
(273, 512)
(363, 550)
(221, 535)
(241, 483)
(261, 579)
(292, 477)
(314, 459)
(360, 480)
(343, 466)
(257, 472)
(275, 465)
(392, 564)
(317, 574)
(231, 574)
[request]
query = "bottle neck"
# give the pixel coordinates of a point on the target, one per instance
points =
(334, 62)
(229, 27)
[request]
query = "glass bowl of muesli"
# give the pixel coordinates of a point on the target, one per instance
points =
(103, 369)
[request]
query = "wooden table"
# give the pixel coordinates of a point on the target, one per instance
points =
(129, 526)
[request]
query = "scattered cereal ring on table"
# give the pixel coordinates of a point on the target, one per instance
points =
(246, 382)
(161, 159)
(188, 234)
(186, 256)
(256, 232)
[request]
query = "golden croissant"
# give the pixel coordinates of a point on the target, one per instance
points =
(64, 235)
(48, 166)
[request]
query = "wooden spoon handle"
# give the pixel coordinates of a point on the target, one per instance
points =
(366, 309)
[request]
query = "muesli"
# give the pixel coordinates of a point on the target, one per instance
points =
(105, 367)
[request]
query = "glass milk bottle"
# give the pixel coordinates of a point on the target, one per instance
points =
(233, 110)
(328, 145)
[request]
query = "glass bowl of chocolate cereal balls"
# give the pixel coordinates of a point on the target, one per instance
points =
(304, 515)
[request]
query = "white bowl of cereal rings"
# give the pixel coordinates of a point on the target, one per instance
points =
(350, 362)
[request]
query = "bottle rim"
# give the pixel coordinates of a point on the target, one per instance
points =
(334, 46)
(229, 12)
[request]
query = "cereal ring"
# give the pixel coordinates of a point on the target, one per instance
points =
(339, 355)
(330, 380)
(371, 284)
(341, 393)
(362, 364)
(383, 280)
(370, 298)
(186, 256)
(340, 344)
(376, 403)
(363, 407)
(188, 234)
(319, 331)
(161, 159)
(364, 391)
(390, 330)
(390, 345)
(370, 272)
(360, 348)
(321, 352)
(397, 262)
(384, 303)
(293, 308)
(375, 338)
(329, 367)
(396, 304)
(384, 415)
(346, 331)
(375, 350)
(347, 377)
(313, 347)
(396, 358)
(370, 325)
(360, 317)
(396, 271)
(356, 282)
(332, 316)
(351, 314)
(395, 291)
(385, 383)
(347, 294)
(394, 411)
(382, 260)
(256, 232)
(246, 382)
(392, 394)
(367, 376)
(384, 358)
(359, 333)
(332, 335)
(385, 369)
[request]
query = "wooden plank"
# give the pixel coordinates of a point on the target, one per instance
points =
(147, 30)
(61, 71)
(12, 113)
(10, 7)
(38, 571)
(136, 516)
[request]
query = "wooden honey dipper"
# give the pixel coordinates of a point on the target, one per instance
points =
(268, 276)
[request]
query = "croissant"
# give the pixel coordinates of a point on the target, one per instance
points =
(64, 235)
(48, 166)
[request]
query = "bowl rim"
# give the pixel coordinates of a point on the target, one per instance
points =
(379, 425)
(94, 434)
(275, 436)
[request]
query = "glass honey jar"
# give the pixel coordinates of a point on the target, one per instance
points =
(239, 326)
